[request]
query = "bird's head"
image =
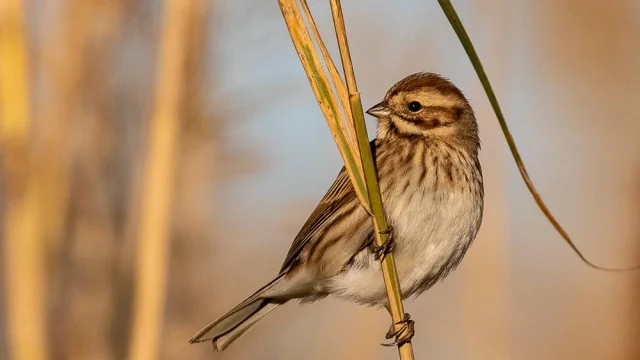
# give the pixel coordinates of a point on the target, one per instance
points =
(428, 105)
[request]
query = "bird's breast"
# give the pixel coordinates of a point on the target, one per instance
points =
(433, 200)
(434, 221)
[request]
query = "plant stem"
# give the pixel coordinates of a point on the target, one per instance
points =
(381, 230)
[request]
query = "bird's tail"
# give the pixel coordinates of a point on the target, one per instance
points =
(229, 327)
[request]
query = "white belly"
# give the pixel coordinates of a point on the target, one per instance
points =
(431, 233)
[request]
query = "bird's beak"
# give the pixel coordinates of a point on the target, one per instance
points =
(379, 110)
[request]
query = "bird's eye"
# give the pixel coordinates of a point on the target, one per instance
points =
(414, 106)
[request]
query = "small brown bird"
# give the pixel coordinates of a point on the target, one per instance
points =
(426, 154)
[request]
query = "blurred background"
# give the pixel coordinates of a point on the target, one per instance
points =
(158, 158)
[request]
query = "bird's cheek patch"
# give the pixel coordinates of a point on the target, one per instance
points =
(406, 126)
(439, 116)
(431, 123)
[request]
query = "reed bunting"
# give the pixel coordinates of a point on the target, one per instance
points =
(426, 155)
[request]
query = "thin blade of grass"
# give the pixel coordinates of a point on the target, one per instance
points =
(339, 84)
(460, 31)
(322, 90)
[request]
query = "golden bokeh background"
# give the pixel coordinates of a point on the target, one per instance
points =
(158, 157)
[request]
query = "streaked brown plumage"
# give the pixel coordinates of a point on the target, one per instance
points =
(426, 154)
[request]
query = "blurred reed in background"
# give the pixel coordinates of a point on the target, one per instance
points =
(79, 81)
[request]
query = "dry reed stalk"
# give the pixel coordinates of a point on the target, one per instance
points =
(191, 265)
(154, 228)
(352, 143)
(23, 248)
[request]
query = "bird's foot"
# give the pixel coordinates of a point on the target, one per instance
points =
(404, 334)
(379, 252)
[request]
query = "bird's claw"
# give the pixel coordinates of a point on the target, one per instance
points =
(404, 334)
(380, 251)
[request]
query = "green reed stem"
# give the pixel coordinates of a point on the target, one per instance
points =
(381, 229)
(455, 22)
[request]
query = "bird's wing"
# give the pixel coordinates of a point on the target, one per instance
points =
(339, 194)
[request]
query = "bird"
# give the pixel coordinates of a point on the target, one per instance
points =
(426, 157)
